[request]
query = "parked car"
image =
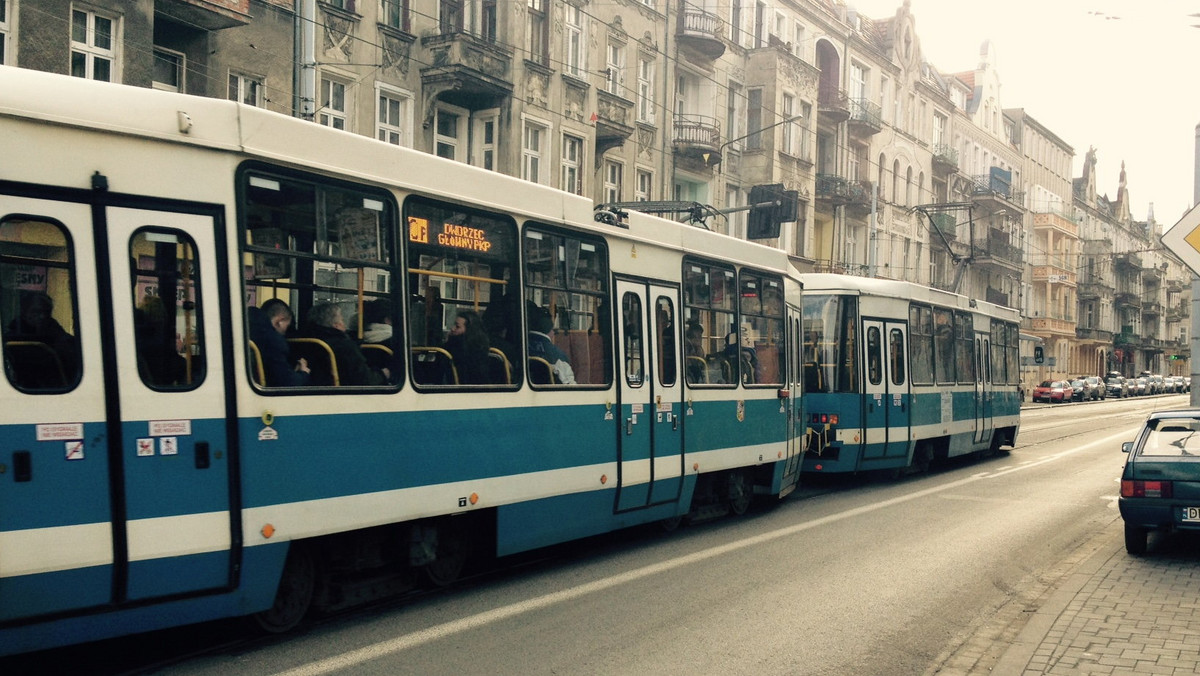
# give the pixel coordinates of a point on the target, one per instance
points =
(1187, 383)
(1156, 385)
(1053, 390)
(1160, 485)
(1115, 386)
(1098, 389)
(1081, 391)
(1142, 385)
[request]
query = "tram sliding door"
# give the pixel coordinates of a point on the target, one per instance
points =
(170, 307)
(887, 414)
(650, 446)
(983, 389)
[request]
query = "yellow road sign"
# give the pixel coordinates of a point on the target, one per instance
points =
(1183, 239)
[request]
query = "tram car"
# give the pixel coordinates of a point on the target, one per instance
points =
(897, 375)
(254, 365)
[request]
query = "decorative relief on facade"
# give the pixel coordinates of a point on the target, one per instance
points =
(573, 105)
(645, 139)
(536, 86)
(338, 42)
(396, 56)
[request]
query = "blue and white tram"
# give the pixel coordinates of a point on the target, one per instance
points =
(898, 374)
(157, 470)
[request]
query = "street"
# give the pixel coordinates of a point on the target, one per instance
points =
(844, 577)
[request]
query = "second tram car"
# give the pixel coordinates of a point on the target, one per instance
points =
(897, 375)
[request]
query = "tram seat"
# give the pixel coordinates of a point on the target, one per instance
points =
(34, 364)
(433, 366)
(377, 356)
(499, 370)
(257, 373)
(697, 370)
(321, 362)
(541, 372)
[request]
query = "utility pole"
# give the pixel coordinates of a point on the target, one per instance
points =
(1194, 337)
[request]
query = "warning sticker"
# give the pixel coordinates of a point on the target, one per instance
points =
(74, 450)
(168, 446)
(145, 447)
(59, 431)
(170, 428)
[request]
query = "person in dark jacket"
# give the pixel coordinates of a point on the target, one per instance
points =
(325, 322)
(36, 323)
(268, 328)
(468, 345)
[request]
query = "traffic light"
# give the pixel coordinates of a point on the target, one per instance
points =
(771, 205)
(1039, 355)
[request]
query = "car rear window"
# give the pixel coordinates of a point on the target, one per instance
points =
(1173, 438)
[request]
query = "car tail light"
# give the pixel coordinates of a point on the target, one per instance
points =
(1145, 489)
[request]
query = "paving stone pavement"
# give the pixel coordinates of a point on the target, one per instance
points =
(1100, 611)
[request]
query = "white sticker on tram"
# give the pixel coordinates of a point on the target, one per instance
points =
(392, 646)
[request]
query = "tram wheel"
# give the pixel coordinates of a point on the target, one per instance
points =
(670, 524)
(452, 553)
(295, 593)
(741, 492)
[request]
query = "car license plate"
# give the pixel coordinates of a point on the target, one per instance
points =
(1191, 514)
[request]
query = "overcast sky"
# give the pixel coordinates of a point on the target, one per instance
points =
(1127, 86)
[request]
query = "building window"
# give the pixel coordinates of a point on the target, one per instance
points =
(645, 90)
(735, 22)
(789, 129)
(805, 151)
(572, 161)
(532, 142)
(574, 61)
(736, 221)
(450, 16)
(93, 46)
(6, 30)
(615, 73)
(246, 89)
(539, 36)
(449, 131)
(754, 119)
(332, 111)
(169, 66)
(396, 14)
(645, 185)
(733, 107)
(483, 124)
(613, 174)
(391, 123)
(798, 39)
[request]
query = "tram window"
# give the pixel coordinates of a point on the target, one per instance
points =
(325, 249)
(896, 354)
(166, 309)
(965, 350)
(762, 346)
(943, 340)
(464, 314)
(709, 292)
(566, 291)
(631, 319)
(920, 343)
(1011, 359)
(831, 356)
(38, 317)
(664, 336)
(874, 356)
(999, 339)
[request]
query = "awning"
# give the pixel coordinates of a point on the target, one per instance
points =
(1031, 337)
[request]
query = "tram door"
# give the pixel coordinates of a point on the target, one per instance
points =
(650, 394)
(983, 389)
(887, 409)
(170, 317)
(797, 429)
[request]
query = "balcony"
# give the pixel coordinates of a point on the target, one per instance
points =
(1128, 261)
(1152, 274)
(1053, 274)
(995, 191)
(1094, 335)
(1127, 299)
(1093, 290)
(466, 71)
(947, 224)
(1054, 326)
(833, 105)
(865, 120)
(997, 250)
(1177, 312)
(700, 33)
(206, 15)
(697, 137)
(1152, 308)
(843, 192)
(1057, 222)
(1174, 285)
(945, 159)
(614, 118)
(996, 297)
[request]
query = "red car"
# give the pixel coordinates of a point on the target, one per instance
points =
(1053, 390)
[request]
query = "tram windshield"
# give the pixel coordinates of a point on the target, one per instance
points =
(830, 343)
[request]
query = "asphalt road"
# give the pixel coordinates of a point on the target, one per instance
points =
(844, 577)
